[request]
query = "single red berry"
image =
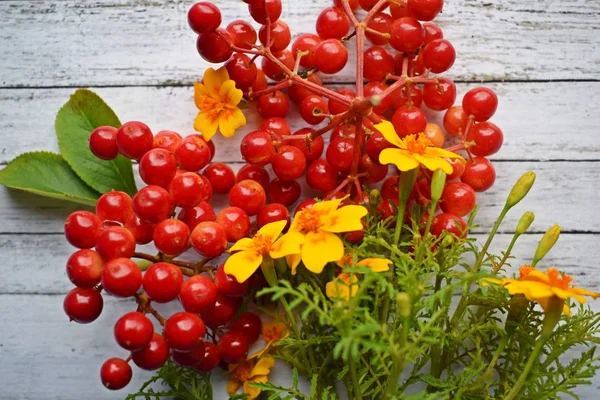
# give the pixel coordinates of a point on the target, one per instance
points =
(399, 10)
(260, 84)
(84, 268)
(153, 204)
(204, 17)
(406, 35)
(274, 104)
(162, 282)
(271, 213)
(352, 3)
(193, 153)
(389, 189)
(321, 176)
(289, 163)
(263, 10)
(332, 23)
(375, 89)
(115, 242)
(435, 134)
(313, 109)
(257, 148)
(340, 153)
(480, 102)
(336, 107)
(201, 212)
(210, 360)
(458, 168)
(274, 70)
(198, 294)
(142, 231)
(330, 56)
(298, 93)
(233, 346)
(153, 355)
(114, 206)
(134, 139)
(439, 56)
(386, 211)
(381, 22)
(183, 331)
(157, 167)
(409, 120)
(280, 36)
(228, 284)
(276, 127)
(440, 94)
(458, 198)
(121, 277)
(82, 229)
(448, 222)
(375, 171)
(379, 63)
(235, 221)
(115, 373)
(487, 138)
(306, 42)
(220, 176)
(425, 10)
(312, 148)
(242, 70)
(171, 237)
(367, 5)
(432, 32)
(249, 196)
(249, 324)
(284, 192)
(133, 331)
(209, 239)
(83, 305)
(167, 140)
(103, 142)
(254, 173)
(189, 188)
(455, 120)
(242, 34)
(479, 174)
(212, 47)
(189, 359)
(308, 203)
(376, 143)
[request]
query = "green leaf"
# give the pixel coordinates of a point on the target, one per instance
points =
(84, 112)
(47, 174)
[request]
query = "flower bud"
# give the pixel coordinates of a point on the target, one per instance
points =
(437, 184)
(144, 264)
(525, 222)
(520, 189)
(374, 197)
(404, 304)
(447, 241)
(546, 243)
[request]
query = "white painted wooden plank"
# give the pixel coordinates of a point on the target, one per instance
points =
(44, 257)
(539, 120)
(123, 42)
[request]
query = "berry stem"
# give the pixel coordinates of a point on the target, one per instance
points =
(358, 144)
(379, 6)
(281, 85)
(145, 256)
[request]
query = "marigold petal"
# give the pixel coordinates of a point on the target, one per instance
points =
(536, 275)
(243, 264)
(206, 125)
(252, 391)
(399, 158)
(293, 260)
(287, 245)
(437, 152)
(263, 366)
(233, 385)
(274, 331)
(244, 244)
(433, 163)
(272, 229)
(389, 133)
(327, 206)
(534, 291)
(565, 294)
(230, 94)
(345, 219)
(585, 292)
(342, 287)
(214, 79)
(230, 121)
(319, 248)
(199, 93)
(375, 264)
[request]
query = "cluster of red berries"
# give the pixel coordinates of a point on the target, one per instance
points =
(174, 213)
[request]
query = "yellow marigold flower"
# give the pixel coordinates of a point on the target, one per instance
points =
(374, 264)
(250, 252)
(412, 151)
(217, 99)
(251, 370)
(543, 287)
(343, 287)
(315, 231)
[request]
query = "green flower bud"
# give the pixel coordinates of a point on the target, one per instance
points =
(447, 241)
(525, 222)
(144, 264)
(375, 197)
(520, 189)
(546, 243)
(404, 304)
(437, 184)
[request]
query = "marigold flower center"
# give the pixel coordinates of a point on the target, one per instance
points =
(346, 260)
(559, 280)
(242, 371)
(308, 220)
(214, 107)
(417, 143)
(263, 243)
(524, 271)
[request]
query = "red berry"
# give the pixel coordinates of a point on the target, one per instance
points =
(134, 139)
(373, 89)
(212, 47)
(375, 171)
(280, 36)
(209, 239)
(409, 120)
(273, 70)
(435, 134)
(389, 189)
(198, 294)
(376, 143)
(336, 107)
(406, 35)
(276, 127)
(439, 55)
(153, 355)
(235, 221)
(274, 104)
(298, 93)
(458, 198)
(242, 70)
(193, 153)
(153, 204)
(455, 120)
(439, 95)
(425, 10)
(189, 359)
(103, 142)
(204, 17)
(480, 102)
(321, 176)
(249, 196)
(192, 216)
(162, 282)
(171, 237)
(308, 203)
(242, 34)
(210, 360)
(83, 305)
(447, 222)
(82, 229)
(330, 56)
(263, 10)
(332, 23)
(249, 324)
(340, 153)
(228, 284)
(255, 173)
(432, 32)
(306, 42)
(312, 148)
(487, 138)
(289, 163)
(378, 63)
(115, 373)
(142, 231)
(271, 213)
(352, 3)
(220, 176)
(313, 109)
(479, 174)
(233, 346)
(380, 22)
(260, 84)
(114, 206)
(188, 189)
(399, 10)
(284, 192)
(84, 268)
(115, 242)
(458, 168)
(167, 140)
(183, 331)
(121, 277)
(157, 167)
(133, 331)
(257, 148)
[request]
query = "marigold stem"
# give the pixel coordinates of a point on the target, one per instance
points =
(533, 358)
(405, 184)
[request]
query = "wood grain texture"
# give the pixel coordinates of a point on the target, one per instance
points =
(91, 42)
(559, 126)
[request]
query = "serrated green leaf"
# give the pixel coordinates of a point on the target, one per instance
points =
(84, 112)
(47, 174)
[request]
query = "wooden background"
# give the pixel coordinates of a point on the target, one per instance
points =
(542, 58)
